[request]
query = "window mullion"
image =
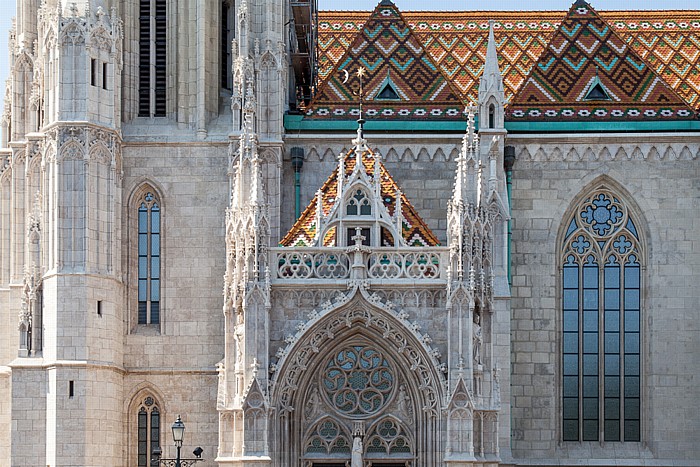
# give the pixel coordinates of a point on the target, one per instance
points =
(149, 273)
(601, 349)
(152, 61)
(622, 350)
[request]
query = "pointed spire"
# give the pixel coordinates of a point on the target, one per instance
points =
(491, 79)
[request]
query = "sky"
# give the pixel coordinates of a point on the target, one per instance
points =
(7, 12)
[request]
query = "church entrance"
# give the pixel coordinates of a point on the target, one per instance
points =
(360, 391)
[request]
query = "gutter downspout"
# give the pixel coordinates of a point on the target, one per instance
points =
(508, 162)
(297, 163)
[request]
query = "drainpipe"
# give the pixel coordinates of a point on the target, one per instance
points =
(297, 163)
(508, 161)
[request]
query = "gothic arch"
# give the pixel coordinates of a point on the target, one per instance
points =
(143, 394)
(131, 258)
(602, 257)
(637, 206)
(359, 322)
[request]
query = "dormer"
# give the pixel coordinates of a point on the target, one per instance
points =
(360, 197)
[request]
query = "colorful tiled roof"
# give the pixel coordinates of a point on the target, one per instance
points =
(588, 72)
(415, 231)
(392, 55)
(669, 41)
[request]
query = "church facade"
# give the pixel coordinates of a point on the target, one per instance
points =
(354, 239)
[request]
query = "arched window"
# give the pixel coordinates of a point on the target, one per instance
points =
(148, 259)
(492, 116)
(152, 57)
(601, 281)
(359, 204)
(148, 431)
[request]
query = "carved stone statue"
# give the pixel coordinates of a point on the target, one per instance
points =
(478, 339)
(312, 405)
(356, 452)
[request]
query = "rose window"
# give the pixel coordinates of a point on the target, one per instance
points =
(358, 381)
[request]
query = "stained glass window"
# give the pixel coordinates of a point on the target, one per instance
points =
(601, 322)
(149, 260)
(358, 381)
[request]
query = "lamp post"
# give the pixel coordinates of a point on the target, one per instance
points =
(178, 436)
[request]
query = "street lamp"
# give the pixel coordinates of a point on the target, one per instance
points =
(178, 436)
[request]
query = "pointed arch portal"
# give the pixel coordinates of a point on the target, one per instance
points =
(358, 371)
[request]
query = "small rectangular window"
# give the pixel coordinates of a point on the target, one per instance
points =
(99, 307)
(71, 387)
(104, 75)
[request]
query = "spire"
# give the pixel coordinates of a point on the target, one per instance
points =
(491, 80)
(467, 188)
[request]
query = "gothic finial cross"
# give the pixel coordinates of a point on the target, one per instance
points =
(361, 73)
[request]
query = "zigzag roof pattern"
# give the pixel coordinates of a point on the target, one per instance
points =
(669, 41)
(585, 55)
(415, 231)
(391, 53)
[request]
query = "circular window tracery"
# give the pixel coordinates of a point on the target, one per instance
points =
(358, 380)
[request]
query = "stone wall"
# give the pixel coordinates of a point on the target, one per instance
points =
(658, 178)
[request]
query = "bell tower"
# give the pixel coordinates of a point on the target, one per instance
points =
(66, 170)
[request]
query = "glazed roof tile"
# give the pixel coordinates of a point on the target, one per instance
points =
(415, 231)
(392, 54)
(669, 41)
(585, 54)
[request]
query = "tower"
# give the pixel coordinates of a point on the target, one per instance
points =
(64, 251)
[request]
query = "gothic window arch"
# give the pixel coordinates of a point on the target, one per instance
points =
(328, 437)
(148, 415)
(389, 437)
(146, 213)
(358, 204)
(601, 280)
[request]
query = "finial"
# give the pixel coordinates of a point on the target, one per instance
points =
(361, 72)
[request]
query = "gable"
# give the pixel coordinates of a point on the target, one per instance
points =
(585, 49)
(388, 49)
(414, 230)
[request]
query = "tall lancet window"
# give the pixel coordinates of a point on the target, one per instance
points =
(149, 260)
(601, 282)
(152, 58)
(148, 431)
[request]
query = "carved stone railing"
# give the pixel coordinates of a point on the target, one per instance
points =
(336, 264)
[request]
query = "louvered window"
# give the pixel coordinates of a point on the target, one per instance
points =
(227, 23)
(152, 58)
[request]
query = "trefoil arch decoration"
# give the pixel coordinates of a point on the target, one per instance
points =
(602, 260)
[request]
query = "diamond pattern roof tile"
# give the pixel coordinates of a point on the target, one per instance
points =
(669, 41)
(388, 49)
(585, 51)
